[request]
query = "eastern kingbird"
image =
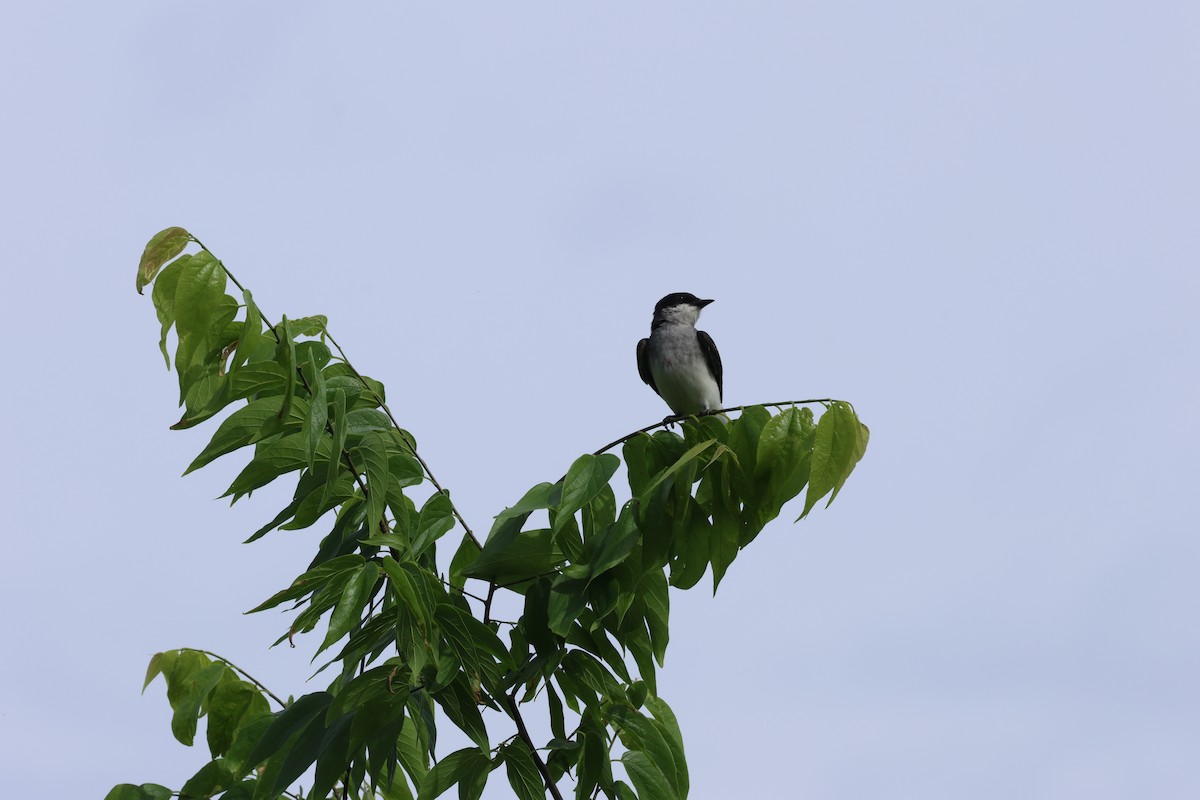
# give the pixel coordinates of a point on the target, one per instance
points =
(679, 362)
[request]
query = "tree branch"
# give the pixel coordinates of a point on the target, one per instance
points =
(407, 443)
(671, 420)
(515, 712)
(487, 604)
(234, 666)
(411, 447)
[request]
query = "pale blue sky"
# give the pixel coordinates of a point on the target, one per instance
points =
(978, 222)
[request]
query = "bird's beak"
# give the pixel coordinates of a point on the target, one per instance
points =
(703, 303)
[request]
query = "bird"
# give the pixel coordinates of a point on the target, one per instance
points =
(680, 363)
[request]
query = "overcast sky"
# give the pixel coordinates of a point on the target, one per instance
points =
(980, 223)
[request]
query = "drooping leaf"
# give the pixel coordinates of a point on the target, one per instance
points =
(523, 774)
(201, 305)
(338, 443)
(839, 443)
(615, 544)
(460, 706)
(318, 413)
(371, 457)
(232, 704)
(162, 247)
(287, 723)
(251, 337)
(347, 613)
(647, 777)
(164, 301)
(450, 770)
(193, 692)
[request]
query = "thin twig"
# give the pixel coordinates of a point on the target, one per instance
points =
(523, 732)
(411, 448)
(250, 677)
(463, 592)
(682, 417)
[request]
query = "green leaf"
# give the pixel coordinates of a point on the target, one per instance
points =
(318, 413)
(251, 336)
(212, 778)
(784, 461)
(726, 520)
(406, 591)
(194, 692)
(333, 755)
(614, 546)
(272, 460)
(147, 791)
(654, 591)
(647, 778)
(529, 555)
(693, 550)
(840, 442)
(347, 614)
(509, 521)
(287, 723)
(313, 580)
(567, 601)
(200, 302)
(523, 774)
(164, 301)
(162, 247)
(160, 663)
(295, 759)
(460, 706)
(362, 421)
(339, 441)
(683, 462)
(249, 424)
(452, 769)
(436, 519)
(257, 378)
(466, 555)
(856, 436)
(233, 703)
(477, 646)
(371, 456)
(285, 356)
(669, 727)
(586, 478)
(309, 326)
(624, 791)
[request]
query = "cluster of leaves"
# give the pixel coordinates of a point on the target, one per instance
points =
(411, 650)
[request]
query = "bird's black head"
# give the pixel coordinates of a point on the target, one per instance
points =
(680, 299)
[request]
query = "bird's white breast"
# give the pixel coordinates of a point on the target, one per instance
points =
(680, 372)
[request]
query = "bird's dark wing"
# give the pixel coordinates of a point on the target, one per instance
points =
(644, 365)
(713, 359)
